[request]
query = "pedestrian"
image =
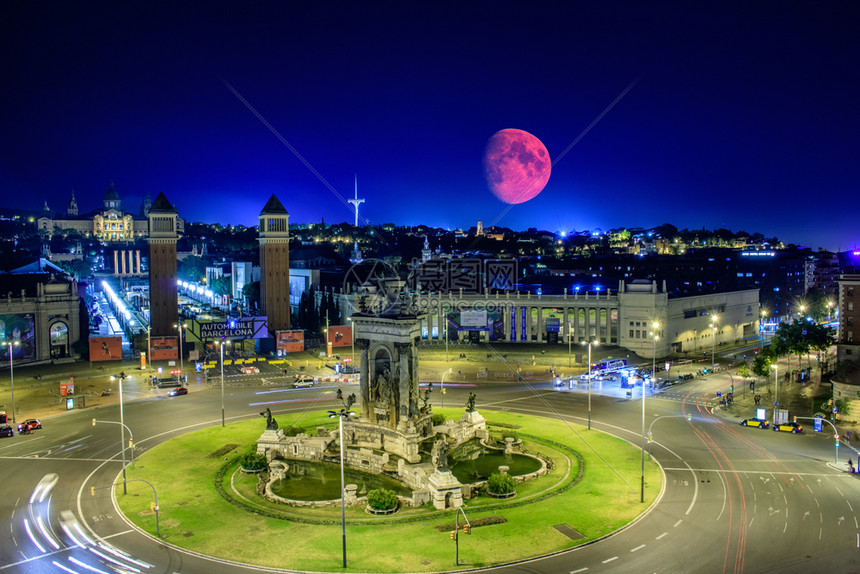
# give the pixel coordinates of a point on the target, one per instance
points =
(850, 466)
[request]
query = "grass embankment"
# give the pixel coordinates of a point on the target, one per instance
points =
(194, 515)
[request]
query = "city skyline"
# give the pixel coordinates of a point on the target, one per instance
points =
(735, 118)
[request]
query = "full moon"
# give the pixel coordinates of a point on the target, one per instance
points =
(517, 165)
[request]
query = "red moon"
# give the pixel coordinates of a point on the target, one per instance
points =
(517, 165)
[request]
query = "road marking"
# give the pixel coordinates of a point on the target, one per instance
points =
(851, 508)
(677, 524)
(751, 521)
(661, 536)
(640, 547)
(578, 571)
(839, 491)
(610, 559)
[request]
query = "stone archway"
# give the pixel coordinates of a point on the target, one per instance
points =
(59, 334)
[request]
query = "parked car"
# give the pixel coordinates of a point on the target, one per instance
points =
(791, 427)
(6, 430)
(30, 424)
(754, 422)
(177, 391)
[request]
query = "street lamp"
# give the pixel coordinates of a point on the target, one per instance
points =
(714, 319)
(149, 344)
(443, 385)
(12, 376)
(568, 343)
(352, 338)
(654, 336)
(221, 344)
(122, 433)
(343, 414)
(180, 327)
(776, 386)
(589, 343)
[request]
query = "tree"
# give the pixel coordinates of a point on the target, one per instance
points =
(251, 293)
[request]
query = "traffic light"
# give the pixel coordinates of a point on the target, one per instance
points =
(650, 438)
(689, 416)
(153, 507)
(130, 442)
(453, 535)
(94, 422)
(795, 418)
(467, 528)
(92, 491)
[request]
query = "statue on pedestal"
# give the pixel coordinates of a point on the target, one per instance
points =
(271, 423)
(470, 404)
(442, 456)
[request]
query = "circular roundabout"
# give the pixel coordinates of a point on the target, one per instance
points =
(589, 487)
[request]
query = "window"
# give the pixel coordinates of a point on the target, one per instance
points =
(850, 305)
(849, 292)
(631, 333)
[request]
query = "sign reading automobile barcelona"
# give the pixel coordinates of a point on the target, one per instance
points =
(239, 328)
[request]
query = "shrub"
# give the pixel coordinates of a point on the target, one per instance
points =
(254, 461)
(510, 433)
(382, 499)
(501, 483)
(438, 419)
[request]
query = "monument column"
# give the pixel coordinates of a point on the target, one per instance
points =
(163, 299)
(364, 378)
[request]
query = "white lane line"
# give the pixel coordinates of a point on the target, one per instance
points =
(661, 536)
(677, 524)
(608, 560)
(849, 506)
(818, 504)
(839, 491)
(751, 521)
(578, 571)
(640, 547)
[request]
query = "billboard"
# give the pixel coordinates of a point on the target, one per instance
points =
(19, 329)
(473, 318)
(232, 328)
(290, 341)
(553, 324)
(340, 336)
(105, 349)
(164, 348)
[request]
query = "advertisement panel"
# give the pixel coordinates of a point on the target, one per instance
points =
(340, 336)
(19, 330)
(232, 328)
(553, 324)
(290, 341)
(105, 349)
(164, 348)
(473, 318)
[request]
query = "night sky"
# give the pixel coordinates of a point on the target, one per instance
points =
(736, 116)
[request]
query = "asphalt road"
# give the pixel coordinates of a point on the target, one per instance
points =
(735, 499)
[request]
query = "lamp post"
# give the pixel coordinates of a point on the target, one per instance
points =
(179, 327)
(714, 319)
(568, 344)
(589, 343)
(12, 377)
(149, 344)
(776, 387)
(221, 344)
(342, 414)
(122, 435)
(654, 336)
(443, 385)
(445, 318)
(352, 339)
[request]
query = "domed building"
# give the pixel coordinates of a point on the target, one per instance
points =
(110, 224)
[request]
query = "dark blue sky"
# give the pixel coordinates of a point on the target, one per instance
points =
(742, 116)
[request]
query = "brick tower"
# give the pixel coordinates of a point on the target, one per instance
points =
(274, 238)
(163, 299)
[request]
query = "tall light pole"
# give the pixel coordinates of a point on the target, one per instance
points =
(714, 319)
(589, 343)
(569, 337)
(443, 385)
(654, 336)
(352, 339)
(221, 344)
(149, 344)
(179, 327)
(12, 376)
(445, 330)
(342, 414)
(122, 435)
(776, 386)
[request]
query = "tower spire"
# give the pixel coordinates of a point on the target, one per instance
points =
(356, 202)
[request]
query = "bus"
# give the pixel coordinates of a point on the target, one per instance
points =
(608, 366)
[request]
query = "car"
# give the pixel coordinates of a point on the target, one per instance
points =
(791, 427)
(6, 430)
(754, 422)
(303, 382)
(30, 424)
(177, 391)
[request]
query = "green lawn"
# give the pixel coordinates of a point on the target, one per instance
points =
(194, 515)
